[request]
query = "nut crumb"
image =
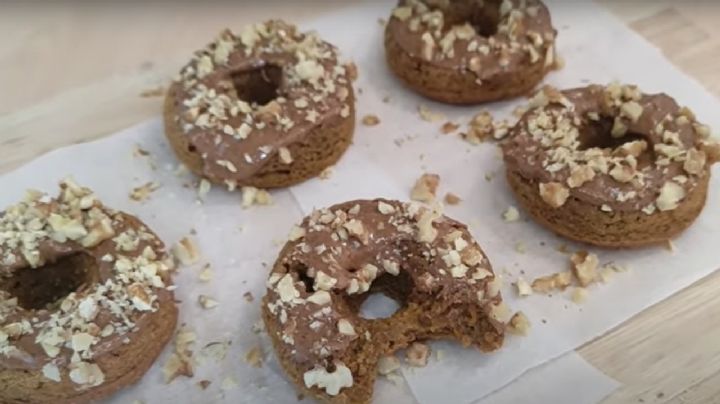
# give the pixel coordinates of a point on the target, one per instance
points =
(143, 192)
(452, 199)
(326, 173)
(556, 281)
(429, 116)
(206, 273)
(248, 296)
(255, 196)
(511, 214)
(584, 267)
(579, 295)
(186, 251)
(523, 288)
(519, 324)
(204, 384)
(425, 188)
(417, 354)
(254, 357)
(449, 127)
(370, 120)
(554, 194)
(153, 92)
(207, 302)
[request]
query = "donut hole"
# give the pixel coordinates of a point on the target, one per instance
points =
(597, 134)
(258, 85)
(387, 294)
(484, 20)
(43, 287)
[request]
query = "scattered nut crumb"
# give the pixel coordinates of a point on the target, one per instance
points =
(255, 196)
(511, 214)
(556, 281)
(186, 251)
(254, 357)
(523, 288)
(206, 273)
(417, 354)
(449, 127)
(203, 188)
(143, 192)
(427, 115)
(425, 187)
(204, 384)
(388, 364)
(207, 302)
(153, 92)
(180, 362)
(519, 324)
(452, 199)
(248, 296)
(326, 173)
(584, 267)
(370, 120)
(579, 295)
(139, 151)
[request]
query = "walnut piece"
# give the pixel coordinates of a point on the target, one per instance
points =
(186, 251)
(554, 194)
(425, 188)
(519, 324)
(370, 120)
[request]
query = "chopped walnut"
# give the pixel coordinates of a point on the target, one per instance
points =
(449, 127)
(417, 354)
(519, 324)
(370, 120)
(579, 295)
(695, 161)
(254, 357)
(143, 192)
(554, 194)
(255, 196)
(556, 281)
(523, 288)
(585, 266)
(206, 302)
(670, 196)
(425, 188)
(511, 214)
(285, 156)
(580, 175)
(427, 115)
(180, 362)
(186, 251)
(326, 173)
(452, 199)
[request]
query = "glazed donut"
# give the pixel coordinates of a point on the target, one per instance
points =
(470, 51)
(338, 256)
(271, 107)
(84, 302)
(610, 166)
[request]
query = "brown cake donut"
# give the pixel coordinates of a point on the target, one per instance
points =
(470, 51)
(610, 166)
(270, 107)
(428, 263)
(84, 301)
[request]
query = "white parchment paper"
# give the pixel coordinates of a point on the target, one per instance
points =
(385, 161)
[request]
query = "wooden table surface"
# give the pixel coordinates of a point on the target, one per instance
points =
(73, 72)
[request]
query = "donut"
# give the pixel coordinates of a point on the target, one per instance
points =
(270, 107)
(609, 165)
(85, 298)
(470, 51)
(338, 256)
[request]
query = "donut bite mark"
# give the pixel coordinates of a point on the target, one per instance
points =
(338, 256)
(468, 51)
(269, 107)
(610, 165)
(85, 305)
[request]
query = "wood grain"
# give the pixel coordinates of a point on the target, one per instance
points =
(73, 72)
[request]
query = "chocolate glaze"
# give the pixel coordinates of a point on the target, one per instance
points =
(527, 155)
(277, 124)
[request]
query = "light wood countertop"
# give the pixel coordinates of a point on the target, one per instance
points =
(73, 72)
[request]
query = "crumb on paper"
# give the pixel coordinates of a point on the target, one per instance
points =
(370, 120)
(143, 192)
(417, 354)
(138, 151)
(204, 384)
(326, 173)
(153, 92)
(216, 351)
(255, 196)
(207, 302)
(425, 188)
(489, 176)
(584, 266)
(519, 324)
(449, 127)
(511, 214)
(670, 246)
(428, 115)
(579, 295)
(549, 283)
(452, 199)
(388, 364)
(186, 251)
(203, 189)
(206, 273)
(523, 288)
(248, 296)
(180, 362)
(254, 357)
(483, 127)
(563, 248)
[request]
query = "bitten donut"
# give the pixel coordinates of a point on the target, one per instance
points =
(610, 166)
(470, 51)
(338, 256)
(269, 107)
(84, 302)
